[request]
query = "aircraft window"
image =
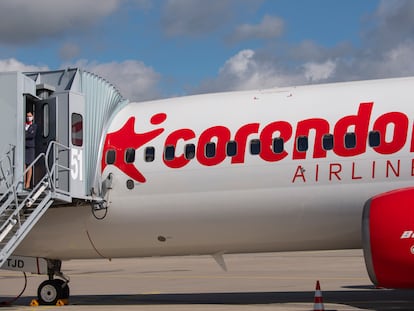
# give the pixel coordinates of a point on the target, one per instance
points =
(110, 156)
(77, 129)
(46, 120)
(255, 146)
(278, 145)
(328, 142)
(374, 139)
(350, 140)
(189, 151)
(231, 148)
(302, 143)
(130, 155)
(169, 153)
(210, 150)
(149, 154)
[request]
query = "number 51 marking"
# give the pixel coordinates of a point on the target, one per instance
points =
(76, 164)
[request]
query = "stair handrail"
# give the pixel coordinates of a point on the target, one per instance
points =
(50, 174)
(24, 224)
(18, 182)
(19, 206)
(12, 190)
(53, 149)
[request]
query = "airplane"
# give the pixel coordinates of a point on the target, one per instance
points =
(314, 167)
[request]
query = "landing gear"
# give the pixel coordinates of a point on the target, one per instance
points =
(50, 291)
(53, 291)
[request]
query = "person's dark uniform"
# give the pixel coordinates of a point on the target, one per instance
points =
(30, 143)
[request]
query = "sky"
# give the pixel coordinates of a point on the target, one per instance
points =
(166, 48)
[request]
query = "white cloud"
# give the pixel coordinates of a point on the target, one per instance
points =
(391, 24)
(316, 72)
(239, 64)
(393, 62)
(386, 50)
(12, 64)
(193, 17)
(23, 21)
(69, 51)
(270, 27)
(134, 79)
(386, 47)
(402, 54)
(248, 70)
(398, 61)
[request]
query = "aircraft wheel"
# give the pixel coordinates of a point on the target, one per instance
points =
(49, 292)
(65, 288)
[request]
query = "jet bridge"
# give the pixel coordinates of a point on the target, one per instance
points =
(71, 109)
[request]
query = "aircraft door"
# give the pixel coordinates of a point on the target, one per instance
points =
(61, 119)
(45, 117)
(51, 117)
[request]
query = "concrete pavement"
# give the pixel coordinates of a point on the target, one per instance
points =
(271, 281)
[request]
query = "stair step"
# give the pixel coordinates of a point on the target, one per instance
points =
(15, 236)
(7, 239)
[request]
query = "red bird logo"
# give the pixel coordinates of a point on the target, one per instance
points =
(126, 138)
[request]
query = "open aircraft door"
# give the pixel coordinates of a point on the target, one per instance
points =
(61, 119)
(51, 123)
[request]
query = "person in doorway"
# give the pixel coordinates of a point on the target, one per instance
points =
(31, 129)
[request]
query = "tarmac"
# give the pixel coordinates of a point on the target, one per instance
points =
(270, 281)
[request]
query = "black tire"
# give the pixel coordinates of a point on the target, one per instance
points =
(65, 288)
(49, 292)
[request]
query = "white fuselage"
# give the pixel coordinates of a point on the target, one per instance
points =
(307, 200)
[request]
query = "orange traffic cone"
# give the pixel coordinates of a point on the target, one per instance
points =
(318, 301)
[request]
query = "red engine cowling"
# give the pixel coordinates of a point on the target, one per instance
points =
(388, 238)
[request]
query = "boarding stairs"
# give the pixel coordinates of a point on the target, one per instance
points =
(21, 209)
